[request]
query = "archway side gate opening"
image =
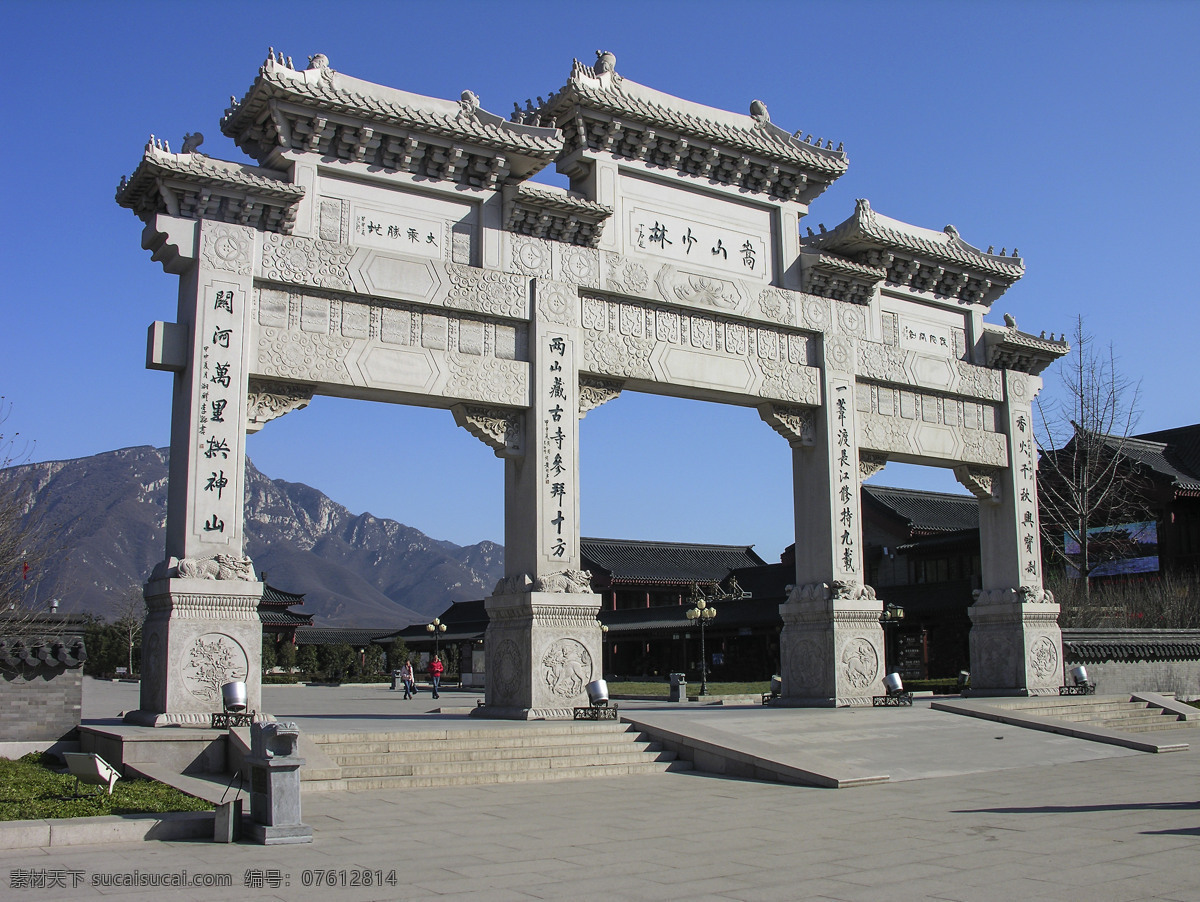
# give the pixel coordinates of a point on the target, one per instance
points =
(391, 246)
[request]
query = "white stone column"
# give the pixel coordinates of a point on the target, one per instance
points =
(1016, 644)
(202, 627)
(543, 640)
(832, 646)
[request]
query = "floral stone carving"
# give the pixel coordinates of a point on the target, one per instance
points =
(594, 392)
(267, 401)
(497, 428)
(213, 660)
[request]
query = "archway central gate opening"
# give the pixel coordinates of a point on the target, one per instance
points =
(391, 246)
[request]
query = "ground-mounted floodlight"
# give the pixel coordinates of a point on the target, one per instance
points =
(896, 696)
(233, 704)
(88, 767)
(964, 679)
(1079, 685)
(233, 696)
(597, 691)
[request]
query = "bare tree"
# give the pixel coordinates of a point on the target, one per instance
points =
(129, 611)
(1086, 478)
(25, 540)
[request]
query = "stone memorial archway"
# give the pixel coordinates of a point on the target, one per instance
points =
(391, 246)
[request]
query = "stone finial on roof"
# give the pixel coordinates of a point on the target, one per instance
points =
(1010, 321)
(758, 110)
(606, 61)
(469, 103)
(191, 141)
(318, 61)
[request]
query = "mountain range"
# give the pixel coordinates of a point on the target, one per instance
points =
(109, 515)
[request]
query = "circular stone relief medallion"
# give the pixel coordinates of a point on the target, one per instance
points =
(851, 319)
(579, 266)
(860, 663)
(840, 353)
(531, 256)
(213, 660)
(1043, 656)
(567, 668)
(816, 314)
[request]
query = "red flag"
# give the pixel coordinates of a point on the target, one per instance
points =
(25, 570)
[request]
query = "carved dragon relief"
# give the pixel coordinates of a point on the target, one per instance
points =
(498, 428)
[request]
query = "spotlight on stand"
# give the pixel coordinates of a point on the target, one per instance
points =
(233, 697)
(597, 691)
(1079, 675)
(1080, 685)
(964, 679)
(896, 696)
(233, 704)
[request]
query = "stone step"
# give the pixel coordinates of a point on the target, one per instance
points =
(492, 734)
(404, 743)
(507, 765)
(366, 784)
(489, 754)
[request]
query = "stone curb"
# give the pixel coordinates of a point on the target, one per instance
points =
(86, 831)
(1048, 724)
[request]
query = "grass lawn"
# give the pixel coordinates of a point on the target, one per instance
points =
(33, 787)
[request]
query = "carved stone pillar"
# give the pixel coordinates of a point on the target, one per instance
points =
(1016, 644)
(832, 646)
(543, 640)
(202, 628)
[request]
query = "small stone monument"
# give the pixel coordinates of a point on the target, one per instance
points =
(275, 785)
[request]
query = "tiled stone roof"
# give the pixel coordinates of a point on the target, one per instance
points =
(321, 635)
(1008, 348)
(923, 258)
(603, 111)
(1094, 645)
(1173, 453)
(546, 211)
(306, 110)
(192, 185)
(746, 612)
(927, 512)
(673, 563)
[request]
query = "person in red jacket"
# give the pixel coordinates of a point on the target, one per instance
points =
(435, 673)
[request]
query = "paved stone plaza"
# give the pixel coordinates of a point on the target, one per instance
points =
(1048, 818)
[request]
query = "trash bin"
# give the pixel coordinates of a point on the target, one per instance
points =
(397, 681)
(678, 687)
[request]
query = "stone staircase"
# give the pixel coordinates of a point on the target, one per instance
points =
(1111, 712)
(468, 756)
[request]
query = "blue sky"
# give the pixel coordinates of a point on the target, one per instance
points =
(1069, 130)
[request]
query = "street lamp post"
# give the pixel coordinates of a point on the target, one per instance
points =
(603, 646)
(702, 612)
(437, 628)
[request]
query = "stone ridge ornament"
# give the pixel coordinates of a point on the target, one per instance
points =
(389, 246)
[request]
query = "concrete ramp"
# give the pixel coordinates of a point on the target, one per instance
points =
(845, 747)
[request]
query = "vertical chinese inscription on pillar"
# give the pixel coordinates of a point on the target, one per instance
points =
(558, 431)
(845, 470)
(1025, 462)
(217, 424)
